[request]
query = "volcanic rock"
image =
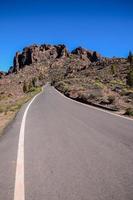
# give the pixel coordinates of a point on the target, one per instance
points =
(37, 54)
(92, 56)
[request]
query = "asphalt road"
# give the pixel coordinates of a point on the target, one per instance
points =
(71, 152)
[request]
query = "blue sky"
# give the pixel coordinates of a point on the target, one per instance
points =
(105, 26)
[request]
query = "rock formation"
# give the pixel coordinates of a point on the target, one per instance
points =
(93, 56)
(81, 74)
(38, 54)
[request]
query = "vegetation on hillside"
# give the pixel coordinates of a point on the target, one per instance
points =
(105, 82)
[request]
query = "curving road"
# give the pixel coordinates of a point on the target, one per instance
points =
(71, 152)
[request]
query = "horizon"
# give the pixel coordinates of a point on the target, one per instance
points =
(105, 27)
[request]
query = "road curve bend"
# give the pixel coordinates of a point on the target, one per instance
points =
(71, 152)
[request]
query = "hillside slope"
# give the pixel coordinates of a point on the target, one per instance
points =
(82, 74)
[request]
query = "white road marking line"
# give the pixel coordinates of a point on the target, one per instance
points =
(95, 108)
(19, 190)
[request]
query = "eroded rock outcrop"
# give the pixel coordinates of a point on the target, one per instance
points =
(36, 54)
(93, 56)
(50, 53)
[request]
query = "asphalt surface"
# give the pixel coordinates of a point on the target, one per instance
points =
(71, 152)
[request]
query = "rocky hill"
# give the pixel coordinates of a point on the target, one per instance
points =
(82, 74)
(49, 53)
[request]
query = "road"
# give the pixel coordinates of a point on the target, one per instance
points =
(71, 152)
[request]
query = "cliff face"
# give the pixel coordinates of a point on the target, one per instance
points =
(37, 54)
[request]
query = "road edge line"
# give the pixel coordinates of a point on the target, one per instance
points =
(19, 190)
(93, 107)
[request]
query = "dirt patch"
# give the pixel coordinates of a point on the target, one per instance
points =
(5, 118)
(9, 109)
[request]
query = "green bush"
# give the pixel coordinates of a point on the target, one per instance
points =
(98, 84)
(30, 86)
(130, 58)
(34, 80)
(111, 99)
(41, 77)
(130, 78)
(25, 87)
(113, 69)
(64, 87)
(129, 111)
